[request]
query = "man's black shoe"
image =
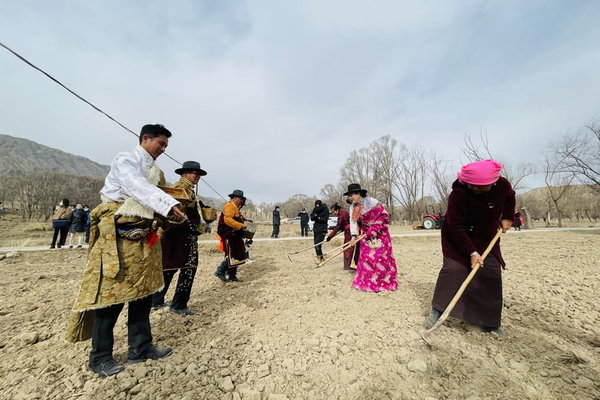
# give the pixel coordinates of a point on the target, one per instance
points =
(234, 279)
(182, 311)
(107, 368)
(152, 354)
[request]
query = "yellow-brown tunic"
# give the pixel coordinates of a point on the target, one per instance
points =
(118, 270)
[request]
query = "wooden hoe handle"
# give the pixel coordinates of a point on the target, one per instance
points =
(462, 288)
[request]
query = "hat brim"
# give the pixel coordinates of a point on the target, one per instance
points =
(180, 171)
(363, 192)
(231, 196)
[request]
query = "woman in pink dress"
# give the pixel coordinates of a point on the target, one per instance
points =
(376, 267)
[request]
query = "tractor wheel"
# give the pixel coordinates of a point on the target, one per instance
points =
(428, 223)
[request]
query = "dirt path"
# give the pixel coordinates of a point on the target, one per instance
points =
(293, 331)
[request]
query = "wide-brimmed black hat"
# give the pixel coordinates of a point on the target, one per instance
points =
(237, 193)
(190, 166)
(355, 187)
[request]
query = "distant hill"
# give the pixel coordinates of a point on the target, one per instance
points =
(24, 157)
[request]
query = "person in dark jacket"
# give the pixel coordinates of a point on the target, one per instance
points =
(77, 221)
(320, 216)
(88, 223)
(304, 218)
(343, 225)
(480, 203)
(517, 221)
(276, 222)
(180, 244)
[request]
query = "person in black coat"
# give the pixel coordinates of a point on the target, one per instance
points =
(77, 221)
(320, 216)
(304, 218)
(276, 222)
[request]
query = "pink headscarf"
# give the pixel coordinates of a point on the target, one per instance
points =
(483, 172)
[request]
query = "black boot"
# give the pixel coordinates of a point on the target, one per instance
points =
(221, 269)
(233, 275)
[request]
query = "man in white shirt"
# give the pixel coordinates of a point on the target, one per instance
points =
(126, 267)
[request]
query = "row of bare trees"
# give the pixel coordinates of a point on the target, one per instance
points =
(396, 175)
(574, 158)
(411, 181)
(35, 196)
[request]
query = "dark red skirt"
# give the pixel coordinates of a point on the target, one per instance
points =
(235, 251)
(481, 302)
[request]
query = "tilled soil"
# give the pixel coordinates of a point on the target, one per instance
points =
(293, 331)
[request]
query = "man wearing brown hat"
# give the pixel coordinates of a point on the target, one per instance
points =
(231, 223)
(180, 243)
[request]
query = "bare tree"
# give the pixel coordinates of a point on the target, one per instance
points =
(514, 173)
(331, 194)
(441, 179)
(384, 160)
(558, 182)
(357, 168)
(292, 206)
(410, 180)
(36, 195)
(581, 154)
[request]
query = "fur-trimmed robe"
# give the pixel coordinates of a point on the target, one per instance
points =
(118, 270)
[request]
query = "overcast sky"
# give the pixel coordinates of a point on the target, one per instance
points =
(272, 96)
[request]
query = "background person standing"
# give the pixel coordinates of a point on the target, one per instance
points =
(276, 222)
(77, 225)
(60, 223)
(88, 221)
(320, 216)
(304, 218)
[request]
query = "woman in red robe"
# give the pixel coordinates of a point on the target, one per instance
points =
(481, 202)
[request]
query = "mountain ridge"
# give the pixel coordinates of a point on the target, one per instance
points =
(20, 156)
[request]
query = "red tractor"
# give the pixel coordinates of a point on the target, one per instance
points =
(432, 220)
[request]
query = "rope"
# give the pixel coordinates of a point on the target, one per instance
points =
(20, 57)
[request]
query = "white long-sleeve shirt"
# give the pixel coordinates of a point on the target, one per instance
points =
(368, 203)
(128, 177)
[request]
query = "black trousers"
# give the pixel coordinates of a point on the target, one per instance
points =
(183, 289)
(319, 237)
(139, 334)
(63, 235)
(275, 231)
(304, 230)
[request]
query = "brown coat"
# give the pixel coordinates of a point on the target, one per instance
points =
(62, 212)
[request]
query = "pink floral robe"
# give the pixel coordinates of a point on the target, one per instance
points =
(376, 268)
